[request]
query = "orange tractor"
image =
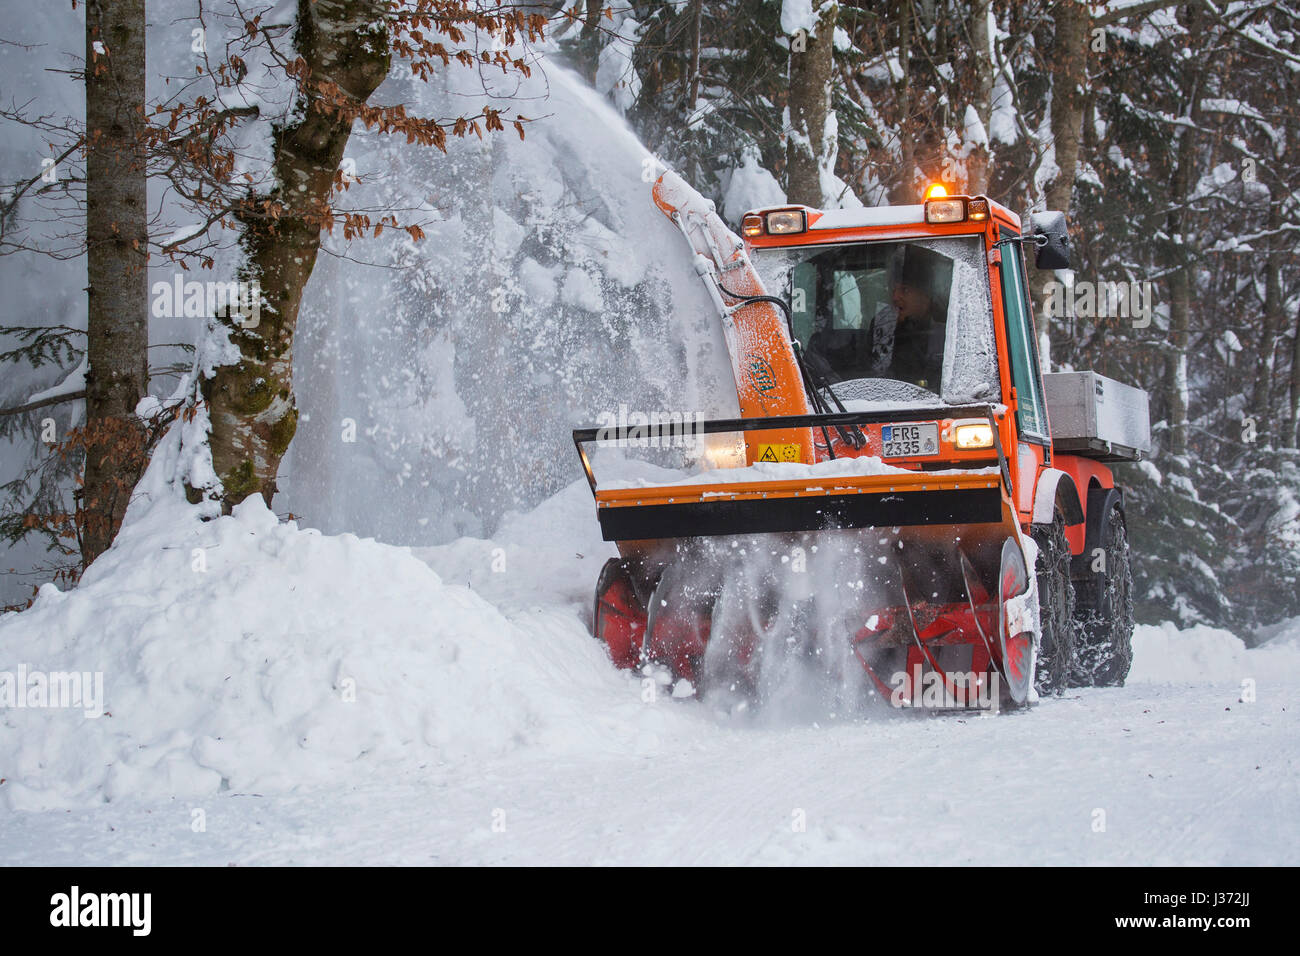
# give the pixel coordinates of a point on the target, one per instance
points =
(899, 466)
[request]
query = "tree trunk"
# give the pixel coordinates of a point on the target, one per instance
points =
(693, 96)
(1292, 437)
(1176, 383)
(117, 321)
(696, 39)
(1291, 430)
(1069, 58)
(810, 104)
(1266, 383)
(977, 164)
(589, 41)
(904, 191)
(251, 401)
(1182, 259)
(1069, 76)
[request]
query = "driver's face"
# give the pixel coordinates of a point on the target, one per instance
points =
(910, 301)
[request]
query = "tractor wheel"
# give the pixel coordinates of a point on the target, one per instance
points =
(1056, 609)
(620, 617)
(1105, 649)
(1019, 656)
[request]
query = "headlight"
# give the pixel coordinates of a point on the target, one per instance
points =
(785, 222)
(945, 210)
(723, 450)
(968, 435)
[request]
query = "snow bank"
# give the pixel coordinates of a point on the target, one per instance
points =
(548, 557)
(1200, 654)
(246, 654)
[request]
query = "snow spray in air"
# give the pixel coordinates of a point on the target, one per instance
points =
(783, 627)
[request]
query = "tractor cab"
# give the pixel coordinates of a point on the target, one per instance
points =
(902, 303)
(875, 319)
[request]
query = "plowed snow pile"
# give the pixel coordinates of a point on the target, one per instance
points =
(247, 654)
(1202, 654)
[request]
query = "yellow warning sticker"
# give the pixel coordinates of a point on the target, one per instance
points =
(766, 451)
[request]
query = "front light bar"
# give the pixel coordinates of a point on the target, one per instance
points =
(780, 222)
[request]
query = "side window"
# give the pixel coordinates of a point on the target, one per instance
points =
(1032, 415)
(846, 301)
(803, 299)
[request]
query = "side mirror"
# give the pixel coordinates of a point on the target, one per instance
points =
(1053, 240)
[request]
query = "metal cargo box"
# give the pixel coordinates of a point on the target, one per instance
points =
(1097, 417)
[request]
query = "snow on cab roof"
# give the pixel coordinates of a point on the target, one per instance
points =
(870, 216)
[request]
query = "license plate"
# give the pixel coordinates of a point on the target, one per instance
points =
(903, 441)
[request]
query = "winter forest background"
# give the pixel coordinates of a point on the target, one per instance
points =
(437, 378)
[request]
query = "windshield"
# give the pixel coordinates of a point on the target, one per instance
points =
(906, 321)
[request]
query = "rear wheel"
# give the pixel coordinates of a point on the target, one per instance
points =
(1106, 612)
(1056, 608)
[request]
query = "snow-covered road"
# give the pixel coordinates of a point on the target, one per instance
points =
(1183, 773)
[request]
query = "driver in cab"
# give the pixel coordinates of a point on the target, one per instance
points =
(908, 334)
(882, 320)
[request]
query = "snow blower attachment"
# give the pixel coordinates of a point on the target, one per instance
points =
(889, 504)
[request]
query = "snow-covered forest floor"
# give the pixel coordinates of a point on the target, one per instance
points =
(314, 699)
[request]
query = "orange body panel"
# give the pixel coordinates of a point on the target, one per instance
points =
(768, 381)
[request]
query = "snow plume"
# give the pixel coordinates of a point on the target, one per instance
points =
(616, 75)
(782, 616)
(438, 386)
